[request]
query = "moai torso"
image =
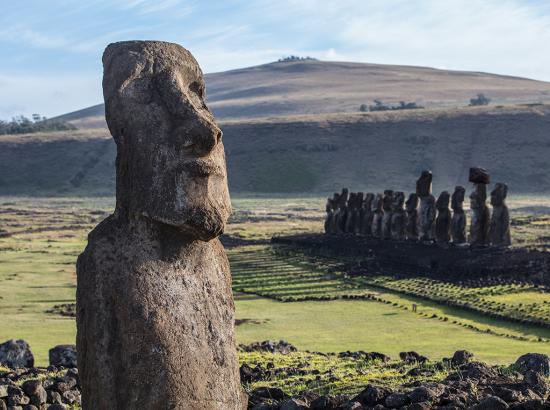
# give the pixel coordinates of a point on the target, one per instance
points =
(398, 218)
(458, 221)
(352, 219)
(155, 314)
(499, 230)
(443, 219)
(426, 216)
(479, 226)
(340, 216)
(358, 213)
(329, 215)
(411, 230)
(377, 215)
(366, 223)
(387, 202)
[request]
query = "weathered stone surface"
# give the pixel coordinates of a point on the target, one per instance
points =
(330, 208)
(341, 213)
(458, 221)
(399, 217)
(411, 205)
(154, 304)
(479, 176)
(16, 353)
(426, 218)
(387, 204)
(424, 184)
(499, 227)
(479, 226)
(366, 218)
(377, 216)
(63, 355)
(443, 219)
(537, 362)
(353, 220)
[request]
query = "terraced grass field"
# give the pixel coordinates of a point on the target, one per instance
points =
(279, 294)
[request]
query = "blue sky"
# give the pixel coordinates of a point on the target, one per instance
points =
(51, 50)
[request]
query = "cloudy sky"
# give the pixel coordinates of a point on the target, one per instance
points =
(51, 50)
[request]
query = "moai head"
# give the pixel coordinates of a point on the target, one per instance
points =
(335, 199)
(387, 200)
(412, 202)
(170, 157)
(442, 202)
(369, 197)
(458, 198)
(498, 195)
(352, 199)
(377, 202)
(424, 184)
(398, 201)
(343, 200)
(478, 196)
(359, 200)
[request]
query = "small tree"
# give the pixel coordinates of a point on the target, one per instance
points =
(479, 100)
(363, 108)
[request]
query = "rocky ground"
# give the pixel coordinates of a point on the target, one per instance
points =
(411, 383)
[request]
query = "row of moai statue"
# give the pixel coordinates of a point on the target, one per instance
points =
(421, 216)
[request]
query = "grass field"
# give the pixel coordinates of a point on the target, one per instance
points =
(37, 272)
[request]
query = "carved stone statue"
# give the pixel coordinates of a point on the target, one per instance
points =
(155, 311)
(398, 217)
(387, 202)
(377, 215)
(411, 229)
(340, 215)
(427, 206)
(458, 221)
(329, 209)
(499, 230)
(479, 226)
(353, 212)
(358, 213)
(443, 219)
(366, 224)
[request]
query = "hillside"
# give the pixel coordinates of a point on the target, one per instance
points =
(317, 87)
(314, 153)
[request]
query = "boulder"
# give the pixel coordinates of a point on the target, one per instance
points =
(461, 357)
(16, 354)
(537, 362)
(63, 355)
(491, 403)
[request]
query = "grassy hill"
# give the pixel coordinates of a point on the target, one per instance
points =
(317, 87)
(314, 153)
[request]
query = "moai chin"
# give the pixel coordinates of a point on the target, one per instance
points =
(499, 230)
(458, 221)
(341, 213)
(155, 311)
(387, 202)
(398, 217)
(427, 206)
(479, 226)
(377, 215)
(366, 223)
(443, 219)
(411, 229)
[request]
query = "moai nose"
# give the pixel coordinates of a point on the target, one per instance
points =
(205, 135)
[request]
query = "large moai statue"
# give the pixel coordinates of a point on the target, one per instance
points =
(353, 214)
(479, 226)
(366, 222)
(443, 219)
(499, 229)
(377, 215)
(348, 227)
(427, 206)
(155, 313)
(330, 209)
(411, 229)
(458, 221)
(358, 213)
(341, 213)
(398, 217)
(387, 203)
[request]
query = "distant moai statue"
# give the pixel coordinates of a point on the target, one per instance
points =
(411, 229)
(341, 213)
(366, 220)
(377, 215)
(387, 202)
(398, 217)
(358, 213)
(458, 221)
(499, 229)
(354, 209)
(443, 219)
(331, 206)
(348, 227)
(427, 206)
(479, 227)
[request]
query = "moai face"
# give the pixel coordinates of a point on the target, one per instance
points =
(343, 201)
(352, 199)
(498, 194)
(334, 202)
(171, 161)
(458, 198)
(412, 202)
(398, 201)
(424, 184)
(387, 200)
(443, 201)
(377, 203)
(369, 197)
(359, 200)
